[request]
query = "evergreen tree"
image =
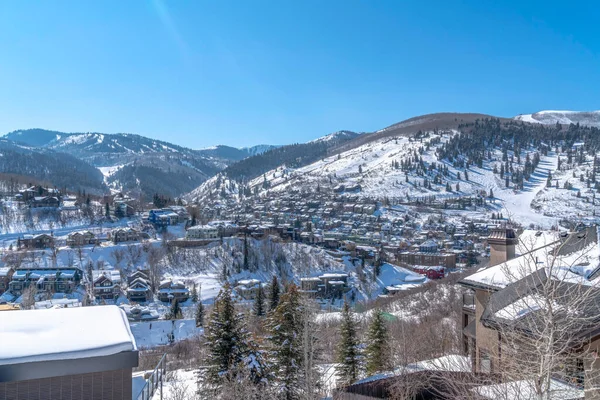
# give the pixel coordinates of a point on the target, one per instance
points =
(200, 314)
(175, 312)
(274, 294)
(194, 294)
(491, 195)
(292, 348)
(107, 210)
(228, 345)
(246, 264)
(377, 352)
(348, 354)
(259, 301)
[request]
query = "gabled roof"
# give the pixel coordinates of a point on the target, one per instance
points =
(575, 254)
(522, 305)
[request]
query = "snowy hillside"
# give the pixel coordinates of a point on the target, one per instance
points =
(336, 136)
(371, 171)
(136, 163)
(550, 117)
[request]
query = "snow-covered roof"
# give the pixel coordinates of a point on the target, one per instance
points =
(576, 259)
(63, 334)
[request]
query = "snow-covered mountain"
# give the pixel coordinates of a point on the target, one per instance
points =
(258, 149)
(445, 164)
(551, 117)
(134, 162)
(336, 136)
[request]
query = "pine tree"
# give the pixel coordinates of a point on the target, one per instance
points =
(348, 353)
(107, 210)
(259, 301)
(175, 312)
(246, 264)
(377, 351)
(274, 294)
(227, 341)
(194, 294)
(200, 314)
(292, 347)
(491, 196)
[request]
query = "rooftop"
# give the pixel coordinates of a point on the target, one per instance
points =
(63, 334)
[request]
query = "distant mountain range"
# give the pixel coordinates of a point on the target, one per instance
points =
(134, 163)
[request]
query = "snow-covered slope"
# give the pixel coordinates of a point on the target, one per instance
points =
(337, 136)
(551, 117)
(374, 171)
(258, 149)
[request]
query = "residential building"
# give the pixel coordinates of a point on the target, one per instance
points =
(41, 241)
(44, 201)
(82, 238)
(6, 274)
(202, 232)
(169, 290)
(106, 284)
(67, 354)
(51, 280)
(248, 288)
(503, 302)
(138, 286)
(121, 235)
(446, 260)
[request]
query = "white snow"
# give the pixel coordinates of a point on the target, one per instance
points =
(156, 333)
(525, 390)
(63, 334)
(564, 117)
(108, 171)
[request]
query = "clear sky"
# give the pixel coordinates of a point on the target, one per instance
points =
(200, 73)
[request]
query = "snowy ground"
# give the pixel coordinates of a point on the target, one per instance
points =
(156, 333)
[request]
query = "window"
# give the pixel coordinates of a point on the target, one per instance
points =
(485, 362)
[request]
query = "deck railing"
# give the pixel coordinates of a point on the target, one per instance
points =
(155, 380)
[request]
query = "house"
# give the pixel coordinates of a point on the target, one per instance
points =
(508, 302)
(202, 232)
(248, 288)
(429, 246)
(30, 193)
(6, 274)
(44, 201)
(51, 280)
(83, 238)
(310, 286)
(41, 241)
(106, 284)
(169, 290)
(172, 215)
(329, 285)
(138, 313)
(138, 286)
(121, 235)
(76, 359)
(446, 260)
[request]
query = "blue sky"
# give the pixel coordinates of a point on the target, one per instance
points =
(200, 73)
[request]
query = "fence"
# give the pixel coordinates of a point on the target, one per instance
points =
(155, 381)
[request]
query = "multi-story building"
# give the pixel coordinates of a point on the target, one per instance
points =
(505, 304)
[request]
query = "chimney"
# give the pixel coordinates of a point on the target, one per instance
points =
(502, 243)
